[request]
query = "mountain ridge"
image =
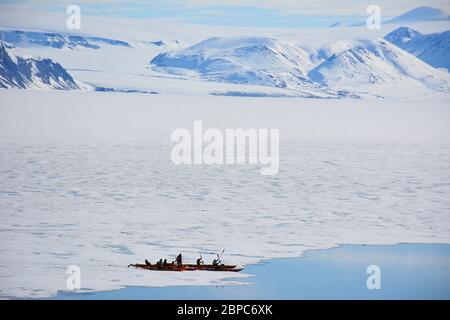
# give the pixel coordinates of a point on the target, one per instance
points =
(433, 48)
(33, 73)
(343, 66)
(56, 40)
(423, 13)
(379, 66)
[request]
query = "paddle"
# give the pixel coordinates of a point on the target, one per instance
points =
(219, 257)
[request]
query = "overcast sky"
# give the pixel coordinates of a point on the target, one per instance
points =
(283, 13)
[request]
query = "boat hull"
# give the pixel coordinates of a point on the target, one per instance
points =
(188, 267)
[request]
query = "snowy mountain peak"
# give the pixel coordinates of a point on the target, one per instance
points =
(32, 73)
(421, 14)
(433, 48)
(402, 35)
(333, 48)
(234, 42)
(255, 60)
(245, 60)
(166, 44)
(358, 66)
(336, 25)
(379, 66)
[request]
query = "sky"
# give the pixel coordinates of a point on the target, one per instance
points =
(254, 13)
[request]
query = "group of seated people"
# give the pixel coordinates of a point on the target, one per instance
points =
(163, 263)
(179, 262)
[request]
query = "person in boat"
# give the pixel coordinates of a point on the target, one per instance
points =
(179, 260)
(200, 261)
(147, 263)
(160, 263)
(165, 263)
(217, 263)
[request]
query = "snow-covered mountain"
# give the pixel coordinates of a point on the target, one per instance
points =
(56, 40)
(421, 14)
(434, 48)
(246, 60)
(342, 66)
(401, 36)
(379, 67)
(336, 25)
(163, 43)
(254, 60)
(327, 51)
(32, 73)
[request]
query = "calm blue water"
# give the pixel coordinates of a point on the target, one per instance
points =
(408, 271)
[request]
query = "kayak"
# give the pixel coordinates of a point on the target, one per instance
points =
(187, 267)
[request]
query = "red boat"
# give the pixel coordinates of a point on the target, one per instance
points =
(187, 267)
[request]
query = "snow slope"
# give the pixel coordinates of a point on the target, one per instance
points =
(379, 67)
(433, 48)
(32, 73)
